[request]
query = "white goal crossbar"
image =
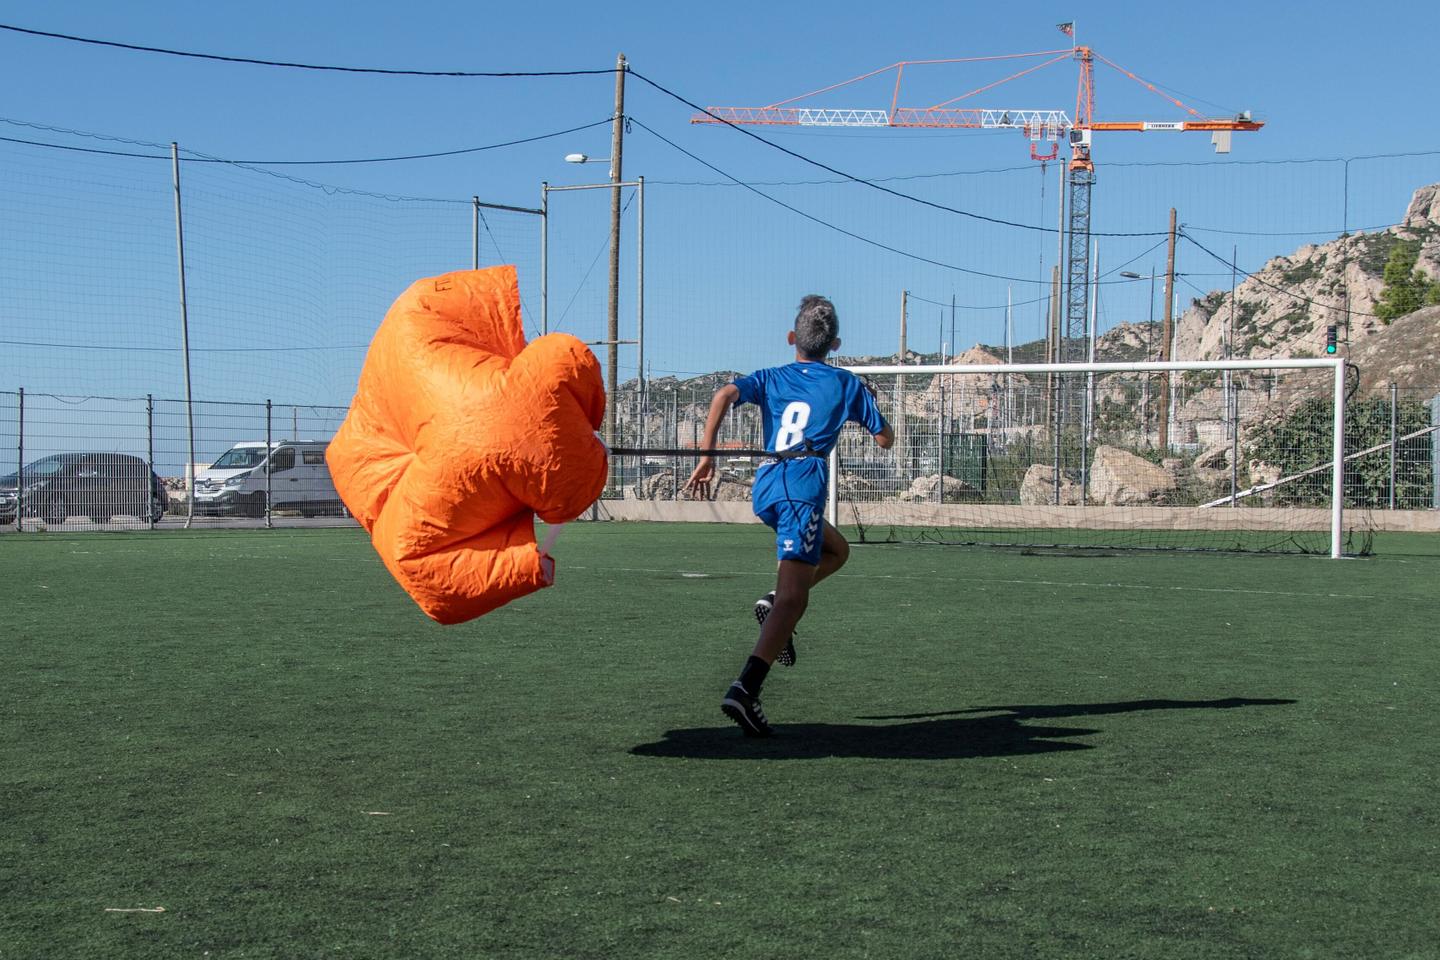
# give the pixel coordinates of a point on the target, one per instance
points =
(1336, 365)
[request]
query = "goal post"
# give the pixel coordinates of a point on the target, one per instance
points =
(1076, 454)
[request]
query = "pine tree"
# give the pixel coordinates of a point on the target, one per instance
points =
(1406, 289)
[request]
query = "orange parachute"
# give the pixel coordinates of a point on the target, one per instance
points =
(460, 434)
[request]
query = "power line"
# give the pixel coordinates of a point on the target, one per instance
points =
(827, 224)
(869, 183)
(302, 66)
(106, 346)
(1042, 299)
(201, 158)
(1263, 282)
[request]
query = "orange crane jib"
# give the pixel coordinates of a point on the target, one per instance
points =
(1037, 125)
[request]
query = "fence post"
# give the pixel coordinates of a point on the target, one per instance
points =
(269, 448)
(20, 470)
(1233, 410)
(1435, 452)
(1394, 422)
(184, 334)
(150, 448)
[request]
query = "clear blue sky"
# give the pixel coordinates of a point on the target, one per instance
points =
(725, 267)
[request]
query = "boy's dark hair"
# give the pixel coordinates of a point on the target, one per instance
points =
(816, 327)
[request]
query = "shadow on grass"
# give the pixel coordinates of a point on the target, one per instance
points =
(944, 735)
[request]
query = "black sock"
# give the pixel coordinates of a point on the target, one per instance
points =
(753, 676)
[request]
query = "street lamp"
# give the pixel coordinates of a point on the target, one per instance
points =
(612, 339)
(613, 332)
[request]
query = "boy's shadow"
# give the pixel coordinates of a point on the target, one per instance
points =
(945, 735)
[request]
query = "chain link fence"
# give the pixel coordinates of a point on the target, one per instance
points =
(114, 463)
(1245, 450)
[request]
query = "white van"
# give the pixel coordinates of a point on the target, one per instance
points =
(294, 472)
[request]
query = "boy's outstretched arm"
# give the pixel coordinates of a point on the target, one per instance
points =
(885, 439)
(724, 399)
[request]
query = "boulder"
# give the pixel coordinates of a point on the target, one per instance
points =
(935, 488)
(1118, 477)
(1214, 458)
(1038, 487)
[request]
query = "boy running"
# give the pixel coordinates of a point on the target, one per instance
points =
(804, 404)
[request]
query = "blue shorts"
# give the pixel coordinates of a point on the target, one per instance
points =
(789, 497)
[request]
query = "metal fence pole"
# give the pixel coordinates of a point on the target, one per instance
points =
(475, 233)
(20, 470)
(640, 308)
(150, 451)
(184, 333)
(544, 257)
(1394, 418)
(1435, 453)
(269, 448)
(1234, 420)
(1337, 477)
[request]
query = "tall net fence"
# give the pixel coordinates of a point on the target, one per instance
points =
(285, 280)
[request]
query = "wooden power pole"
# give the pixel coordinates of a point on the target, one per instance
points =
(1167, 334)
(612, 336)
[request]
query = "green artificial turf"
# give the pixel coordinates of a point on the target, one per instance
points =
(983, 754)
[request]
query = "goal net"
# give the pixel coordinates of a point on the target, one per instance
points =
(1219, 455)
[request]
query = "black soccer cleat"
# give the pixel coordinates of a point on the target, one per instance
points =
(745, 711)
(763, 606)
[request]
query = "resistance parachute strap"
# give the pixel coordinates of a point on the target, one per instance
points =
(701, 452)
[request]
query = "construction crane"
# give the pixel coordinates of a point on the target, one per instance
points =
(1043, 128)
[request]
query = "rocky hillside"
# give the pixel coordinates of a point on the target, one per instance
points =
(1280, 311)
(1286, 306)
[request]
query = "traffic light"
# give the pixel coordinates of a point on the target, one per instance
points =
(1330, 338)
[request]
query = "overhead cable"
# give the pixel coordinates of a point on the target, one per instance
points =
(999, 221)
(831, 226)
(1266, 283)
(201, 158)
(302, 66)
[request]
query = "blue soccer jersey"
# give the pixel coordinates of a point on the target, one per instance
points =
(803, 406)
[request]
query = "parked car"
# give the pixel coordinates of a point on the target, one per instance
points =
(293, 472)
(99, 486)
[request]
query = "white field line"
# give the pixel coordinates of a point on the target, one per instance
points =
(563, 565)
(1086, 584)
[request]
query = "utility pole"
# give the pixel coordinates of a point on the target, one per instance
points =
(1166, 335)
(612, 357)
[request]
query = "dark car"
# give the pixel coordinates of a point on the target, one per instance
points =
(95, 485)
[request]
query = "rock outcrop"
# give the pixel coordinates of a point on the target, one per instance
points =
(1118, 478)
(1038, 487)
